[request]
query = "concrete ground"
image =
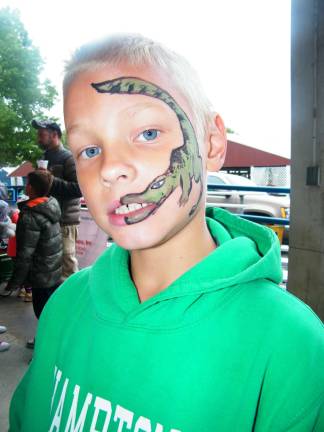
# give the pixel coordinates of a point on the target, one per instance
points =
(21, 323)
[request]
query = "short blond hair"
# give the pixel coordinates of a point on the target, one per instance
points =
(137, 50)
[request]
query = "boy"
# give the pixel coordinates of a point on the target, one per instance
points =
(184, 327)
(39, 242)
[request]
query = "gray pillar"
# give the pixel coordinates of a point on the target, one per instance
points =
(306, 253)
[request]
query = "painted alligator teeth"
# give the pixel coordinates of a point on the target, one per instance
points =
(128, 208)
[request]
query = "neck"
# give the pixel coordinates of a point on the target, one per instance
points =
(156, 268)
(33, 196)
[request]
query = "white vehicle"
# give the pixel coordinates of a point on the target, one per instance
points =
(246, 202)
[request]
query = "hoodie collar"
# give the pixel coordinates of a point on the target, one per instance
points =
(36, 201)
(246, 252)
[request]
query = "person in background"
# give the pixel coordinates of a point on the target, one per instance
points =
(24, 291)
(39, 242)
(11, 249)
(7, 230)
(64, 188)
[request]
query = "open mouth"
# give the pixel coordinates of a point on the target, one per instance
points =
(128, 214)
(127, 209)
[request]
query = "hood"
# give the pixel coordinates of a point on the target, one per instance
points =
(49, 208)
(246, 253)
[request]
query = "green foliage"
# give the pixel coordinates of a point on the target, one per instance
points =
(23, 96)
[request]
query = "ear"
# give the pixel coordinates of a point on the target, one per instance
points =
(27, 188)
(217, 144)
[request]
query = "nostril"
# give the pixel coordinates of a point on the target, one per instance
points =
(113, 171)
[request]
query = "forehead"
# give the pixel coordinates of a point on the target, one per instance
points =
(80, 90)
(43, 131)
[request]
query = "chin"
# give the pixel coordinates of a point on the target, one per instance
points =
(138, 241)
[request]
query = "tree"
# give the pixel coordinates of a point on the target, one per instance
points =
(23, 96)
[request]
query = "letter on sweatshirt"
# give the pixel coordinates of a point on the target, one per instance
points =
(143, 425)
(101, 405)
(58, 376)
(58, 413)
(70, 425)
(124, 416)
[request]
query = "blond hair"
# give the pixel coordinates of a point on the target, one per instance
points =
(137, 50)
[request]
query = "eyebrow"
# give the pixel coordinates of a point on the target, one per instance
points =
(130, 111)
(73, 128)
(142, 106)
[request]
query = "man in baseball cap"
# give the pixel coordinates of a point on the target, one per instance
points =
(64, 187)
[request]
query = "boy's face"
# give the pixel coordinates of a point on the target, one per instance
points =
(138, 161)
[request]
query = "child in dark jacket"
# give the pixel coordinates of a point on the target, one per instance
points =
(39, 241)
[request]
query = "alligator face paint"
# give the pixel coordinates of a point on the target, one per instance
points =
(185, 161)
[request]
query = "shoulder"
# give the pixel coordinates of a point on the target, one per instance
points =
(52, 204)
(64, 304)
(61, 155)
(73, 290)
(65, 154)
(27, 219)
(282, 313)
(290, 340)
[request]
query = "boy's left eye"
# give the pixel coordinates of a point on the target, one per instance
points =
(148, 135)
(90, 152)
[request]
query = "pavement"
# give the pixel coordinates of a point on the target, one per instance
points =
(21, 323)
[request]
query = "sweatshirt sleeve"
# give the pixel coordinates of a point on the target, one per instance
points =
(18, 402)
(36, 386)
(35, 391)
(292, 397)
(319, 422)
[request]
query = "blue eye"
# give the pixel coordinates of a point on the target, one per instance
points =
(90, 152)
(148, 135)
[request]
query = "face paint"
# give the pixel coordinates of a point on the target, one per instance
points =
(185, 161)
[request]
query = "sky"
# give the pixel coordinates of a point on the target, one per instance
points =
(240, 49)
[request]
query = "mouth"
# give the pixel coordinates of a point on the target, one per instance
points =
(128, 209)
(127, 214)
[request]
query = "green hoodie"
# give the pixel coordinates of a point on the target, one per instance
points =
(223, 348)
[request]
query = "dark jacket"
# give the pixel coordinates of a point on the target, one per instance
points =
(39, 245)
(65, 186)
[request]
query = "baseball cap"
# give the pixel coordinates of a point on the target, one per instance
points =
(47, 124)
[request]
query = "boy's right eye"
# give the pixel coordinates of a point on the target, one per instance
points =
(90, 152)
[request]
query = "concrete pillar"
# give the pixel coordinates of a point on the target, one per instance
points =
(306, 252)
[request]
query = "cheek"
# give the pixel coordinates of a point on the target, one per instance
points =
(85, 179)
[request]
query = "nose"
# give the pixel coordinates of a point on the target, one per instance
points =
(116, 170)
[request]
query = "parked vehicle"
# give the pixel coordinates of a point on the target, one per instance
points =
(246, 202)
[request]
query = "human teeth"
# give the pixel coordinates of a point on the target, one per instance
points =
(124, 209)
(135, 206)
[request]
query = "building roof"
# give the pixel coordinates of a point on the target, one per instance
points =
(240, 155)
(22, 170)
